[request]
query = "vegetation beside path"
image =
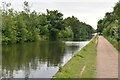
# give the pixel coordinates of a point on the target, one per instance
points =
(82, 65)
(110, 26)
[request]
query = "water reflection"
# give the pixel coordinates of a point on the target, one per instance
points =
(35, 60)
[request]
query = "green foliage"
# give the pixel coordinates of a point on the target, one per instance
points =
(25, 26)
(66, 34)
(55, 20)
(110, 26)
(81, 31)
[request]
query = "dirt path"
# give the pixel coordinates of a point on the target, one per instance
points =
(107, 59)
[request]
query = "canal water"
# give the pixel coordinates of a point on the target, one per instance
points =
(37, 59)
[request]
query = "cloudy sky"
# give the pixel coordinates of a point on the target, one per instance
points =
(89, 11)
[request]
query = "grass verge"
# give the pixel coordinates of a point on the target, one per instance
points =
(82, 65)
(114, 42)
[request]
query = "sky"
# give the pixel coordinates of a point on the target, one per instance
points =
(88, 11)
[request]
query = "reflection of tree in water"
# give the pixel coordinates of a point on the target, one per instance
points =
(72, 48)
(56, 53)
(27, 56)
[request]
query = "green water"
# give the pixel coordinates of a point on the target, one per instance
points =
(37, 59)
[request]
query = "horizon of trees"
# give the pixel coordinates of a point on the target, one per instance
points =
(27, 26)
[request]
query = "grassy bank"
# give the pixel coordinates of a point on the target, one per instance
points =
(114, 42)
(82, 65)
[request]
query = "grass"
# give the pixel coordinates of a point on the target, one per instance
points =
(82, 65)
(114, 42)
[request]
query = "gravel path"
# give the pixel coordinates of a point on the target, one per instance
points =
(107, 59)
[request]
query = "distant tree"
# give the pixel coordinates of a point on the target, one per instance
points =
(80, 30)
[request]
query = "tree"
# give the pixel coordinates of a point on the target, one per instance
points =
(27, 26)
(80, 30)
(55, 21)
(109, 25)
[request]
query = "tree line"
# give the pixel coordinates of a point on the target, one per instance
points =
(110, 26)
(27, 26)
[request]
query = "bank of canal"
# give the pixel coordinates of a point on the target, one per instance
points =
(82, 65)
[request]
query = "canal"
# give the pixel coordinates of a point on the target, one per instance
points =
(37, 59)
